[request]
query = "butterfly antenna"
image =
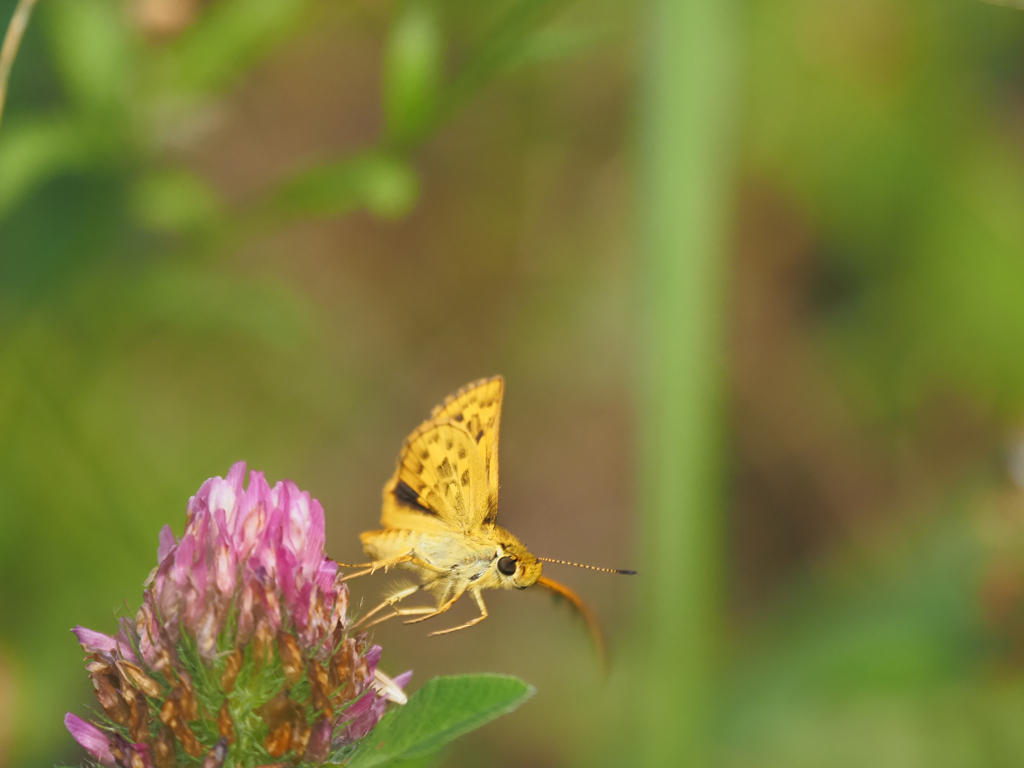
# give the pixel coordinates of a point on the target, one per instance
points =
(588, 567)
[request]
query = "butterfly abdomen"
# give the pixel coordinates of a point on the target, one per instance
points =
(388, 543)
(396, 542)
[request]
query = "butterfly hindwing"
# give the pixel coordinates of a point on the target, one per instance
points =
(440, 482)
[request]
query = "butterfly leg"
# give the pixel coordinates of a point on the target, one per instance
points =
(401, 612)
(390, 602)
(376, 565)
(436, 611)
(483, 615)
(388, 563)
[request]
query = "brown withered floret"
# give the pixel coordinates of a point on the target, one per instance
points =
(262, 644)
(113, 703)
(300, 735)
(232, 667)
(163, 749)
(225, 725)
(187, 695)
(138, 714)
(126, 755)
(362, 671)
(279, 739)
(138, 708)
(277, 709)
(350, 664)
(164, 666)
(341, 670)
(97, 666)
(341, 607)
(283, 717)
(170, 715)
(291, 658)
(319, 686)
(182, 691)
(135, 676)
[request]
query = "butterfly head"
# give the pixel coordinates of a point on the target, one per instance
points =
(515, 567)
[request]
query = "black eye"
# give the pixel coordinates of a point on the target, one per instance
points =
(507, 565)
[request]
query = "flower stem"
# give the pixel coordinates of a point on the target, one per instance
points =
(688, 130)
(12, 41)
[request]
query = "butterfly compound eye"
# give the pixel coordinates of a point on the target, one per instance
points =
(507, 565)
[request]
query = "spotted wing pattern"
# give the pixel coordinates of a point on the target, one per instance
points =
(439, 482)
(477, 406)
(447, 474)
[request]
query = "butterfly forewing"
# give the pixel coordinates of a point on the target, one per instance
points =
(477, 407)
(440, 475)
(447, 474)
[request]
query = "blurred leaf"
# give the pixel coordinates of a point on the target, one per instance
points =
(442, 710)
(34, 150)
(412, 71)
(384, 183)
(502, 46)
(548, 44)
(176, 200)
(228, 38)
(91, 44)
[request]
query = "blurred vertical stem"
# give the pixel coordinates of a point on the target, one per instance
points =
(12, 41)
(688, 112)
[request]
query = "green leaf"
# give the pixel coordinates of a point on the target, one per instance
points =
(386, 185)
(230, 37)
(175, 200)
(444, 709)
(35, 150)
(502, 47)
(550, 44)
(412, 72)
(92, 49)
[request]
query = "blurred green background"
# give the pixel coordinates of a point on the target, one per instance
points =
(753, 271)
